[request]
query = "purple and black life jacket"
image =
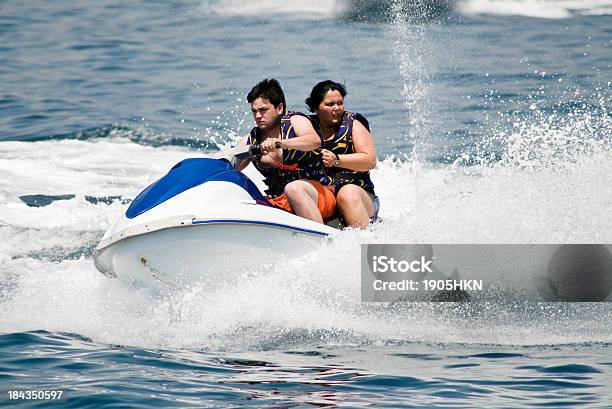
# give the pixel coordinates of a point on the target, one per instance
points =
(309, 163)
(340, 144)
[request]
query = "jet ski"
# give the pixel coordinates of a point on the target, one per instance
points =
(200, 222)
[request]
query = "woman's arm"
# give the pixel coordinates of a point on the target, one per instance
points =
(364, 158)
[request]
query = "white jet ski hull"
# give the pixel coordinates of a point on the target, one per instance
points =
(207, 253)
(210, 233)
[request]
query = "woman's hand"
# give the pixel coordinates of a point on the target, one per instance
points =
(328, 158)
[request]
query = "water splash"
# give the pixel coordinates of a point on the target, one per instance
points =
(415, 53)
(552, 9)
(539, 135)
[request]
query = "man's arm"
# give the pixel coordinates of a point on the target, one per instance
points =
(306, 139)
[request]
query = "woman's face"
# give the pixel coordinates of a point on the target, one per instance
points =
(331, 109)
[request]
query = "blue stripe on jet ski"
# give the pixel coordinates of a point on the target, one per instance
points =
(284, 226)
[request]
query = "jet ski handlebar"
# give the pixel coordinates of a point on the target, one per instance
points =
(255, 149)
(237, 154)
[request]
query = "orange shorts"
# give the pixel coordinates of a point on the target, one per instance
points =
(326, 200)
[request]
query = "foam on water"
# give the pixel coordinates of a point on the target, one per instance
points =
(554, 9)
(311, 8)
(289, 305)
(48, 280)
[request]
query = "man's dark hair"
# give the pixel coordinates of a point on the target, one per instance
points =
(269, 89)
(318, 93)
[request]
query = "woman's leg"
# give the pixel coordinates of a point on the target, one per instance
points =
(355, 206)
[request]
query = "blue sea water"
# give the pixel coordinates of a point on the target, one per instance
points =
(492, 122)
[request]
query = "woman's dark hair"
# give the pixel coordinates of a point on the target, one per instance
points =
(269, 89)
(318, 93)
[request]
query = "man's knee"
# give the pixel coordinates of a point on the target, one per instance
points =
(292, 189)
(300, 190)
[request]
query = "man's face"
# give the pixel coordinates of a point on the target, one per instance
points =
(266, 116)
